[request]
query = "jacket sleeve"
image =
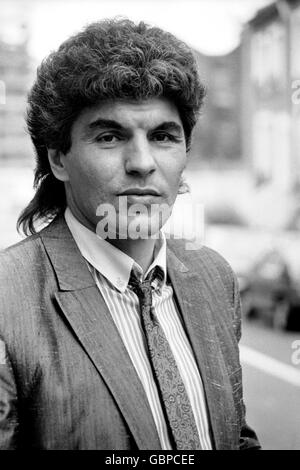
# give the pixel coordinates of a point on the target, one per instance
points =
(248, 438)
(8, 402)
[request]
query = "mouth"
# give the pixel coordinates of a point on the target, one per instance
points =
(140, 192)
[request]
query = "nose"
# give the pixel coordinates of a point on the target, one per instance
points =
(139, 159)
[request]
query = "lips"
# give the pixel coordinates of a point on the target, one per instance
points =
(140, 192)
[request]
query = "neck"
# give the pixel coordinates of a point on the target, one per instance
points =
(141, 250)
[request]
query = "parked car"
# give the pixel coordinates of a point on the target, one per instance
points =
(269, 293)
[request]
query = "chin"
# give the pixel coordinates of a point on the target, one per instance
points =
(142, 228)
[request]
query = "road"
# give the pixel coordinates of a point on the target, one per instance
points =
(271, 387)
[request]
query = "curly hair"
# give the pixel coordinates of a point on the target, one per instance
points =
(109, 59)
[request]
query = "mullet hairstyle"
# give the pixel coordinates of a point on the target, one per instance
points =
(108, 60)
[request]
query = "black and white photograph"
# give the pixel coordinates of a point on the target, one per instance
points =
(149, 227)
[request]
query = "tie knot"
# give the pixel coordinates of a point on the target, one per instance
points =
(138, 286)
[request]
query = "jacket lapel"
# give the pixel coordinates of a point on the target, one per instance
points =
(87, 313)
(198, 307)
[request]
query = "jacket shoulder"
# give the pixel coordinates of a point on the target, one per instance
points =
(200, 257)
(215, 261)
(214, 271)
(23, 268)
(20, 255)
(26, 255)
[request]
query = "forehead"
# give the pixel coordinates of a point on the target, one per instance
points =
(144, 114)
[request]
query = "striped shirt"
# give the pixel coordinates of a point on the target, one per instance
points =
(111, 270)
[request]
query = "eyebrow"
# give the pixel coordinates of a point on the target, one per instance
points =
(104, 124)
(111, 124)
(169, 126)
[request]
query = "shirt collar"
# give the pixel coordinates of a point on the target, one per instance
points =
(111, 262)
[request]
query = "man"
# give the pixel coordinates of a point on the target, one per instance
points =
(117, 342)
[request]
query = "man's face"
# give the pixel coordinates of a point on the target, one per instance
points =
(124, 149)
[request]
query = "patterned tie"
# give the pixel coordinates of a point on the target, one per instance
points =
(170, 384)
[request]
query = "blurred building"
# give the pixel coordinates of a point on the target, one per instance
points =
(15, 77)
(270, 48)
(217, 137)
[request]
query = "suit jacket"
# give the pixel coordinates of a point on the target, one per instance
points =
(67, 381)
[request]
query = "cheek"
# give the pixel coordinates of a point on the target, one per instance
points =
(175, 167)
(91, 171)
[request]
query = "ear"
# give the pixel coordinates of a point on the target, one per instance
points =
(183, 186)
(57, 161)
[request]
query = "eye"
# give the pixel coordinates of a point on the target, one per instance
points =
(108, 138)
(163, 137)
